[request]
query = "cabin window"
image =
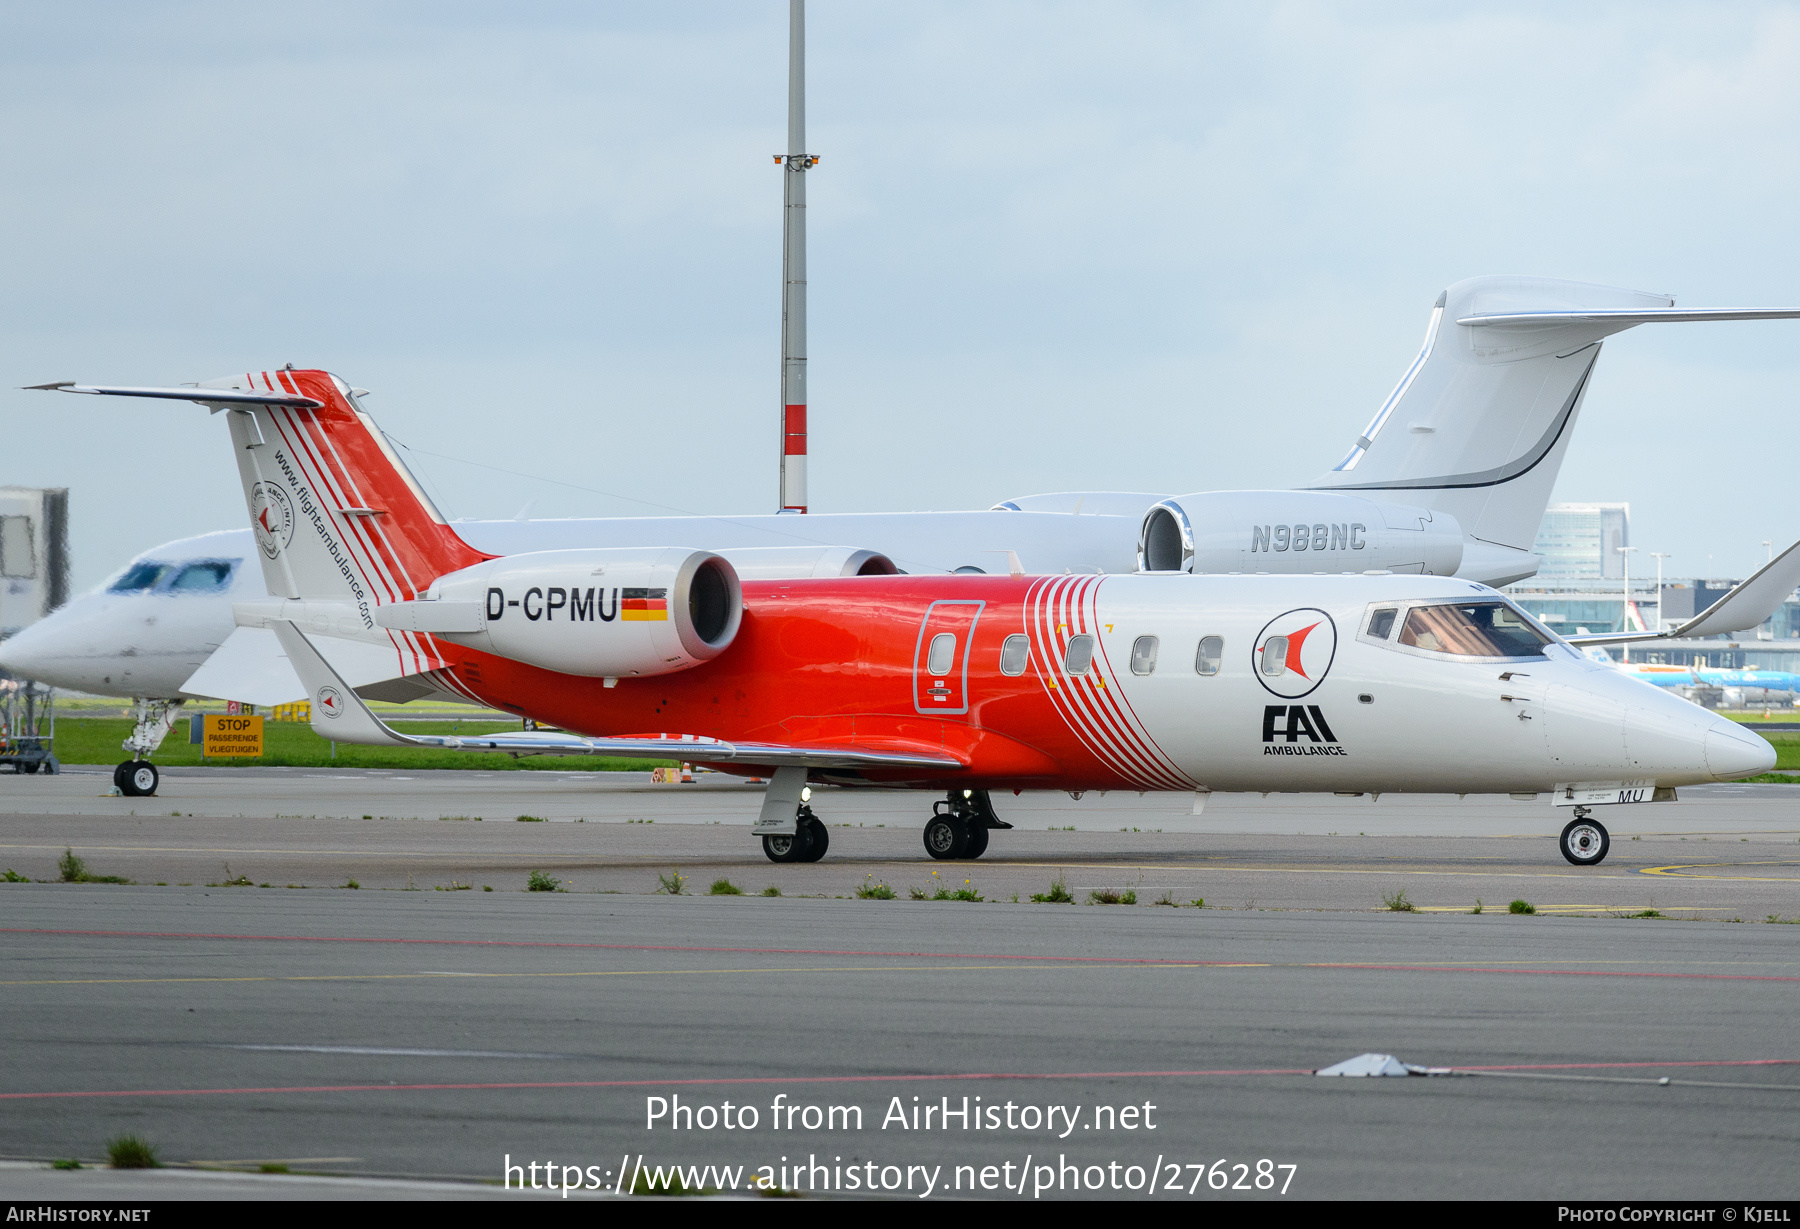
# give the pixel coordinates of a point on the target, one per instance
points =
(1274, 656)
(1472, 629)
(1381, 623)
(1143, 655)
(943, 653)
(1211, 653)
(1014, 653)
(1079, 655)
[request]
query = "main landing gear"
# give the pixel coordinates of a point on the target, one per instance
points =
(1584, 841)
(808, 843)
(137, 777)
(959, 825)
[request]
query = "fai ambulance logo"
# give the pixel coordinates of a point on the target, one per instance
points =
(331, 703)
(1294, 652)
(272, 514)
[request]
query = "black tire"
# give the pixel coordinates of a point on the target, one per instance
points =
(1585, 842)
(788, 848)
(978, 839)
(119, 776)
(818, 839)
(138, 779)
(946, 837)
(30, 767)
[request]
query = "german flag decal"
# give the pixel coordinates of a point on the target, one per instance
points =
(644, 605)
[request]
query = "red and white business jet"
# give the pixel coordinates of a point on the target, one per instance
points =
(955, 684)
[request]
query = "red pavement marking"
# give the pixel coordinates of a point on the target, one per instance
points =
(836, 1079)
(823, 951)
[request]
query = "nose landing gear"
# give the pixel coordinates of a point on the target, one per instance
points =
(137, 777)
(959, 825)
(1584, 841)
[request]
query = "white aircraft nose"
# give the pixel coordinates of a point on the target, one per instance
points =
(1732, 751)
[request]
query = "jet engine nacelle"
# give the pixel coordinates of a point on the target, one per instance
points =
(611, 613)
(1296, 531)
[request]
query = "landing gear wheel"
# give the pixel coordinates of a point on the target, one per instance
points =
(788, 848)
(137, 779)
(1585, 842)
(818, 840)
(947, 837)
(978, 839)
(119, 776)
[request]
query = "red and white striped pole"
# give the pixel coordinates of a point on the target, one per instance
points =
(794, 166)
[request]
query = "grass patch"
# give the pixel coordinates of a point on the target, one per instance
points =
(540, 881)
(771, 890)
(968, 891)
(74, 870)
(672, 884)
(13, 876)
(1397, 902)
(724, 887)
(1058, 894)
(355, 886)
(131, 1152)
(1521, 906)
(290, 744)
(67, 1163)
(271, 1167)
(531, 819)
(1645, 913)
(1106, 896)
(1784, 921)
(1167, 898)
(1477, 908)
(870, 890)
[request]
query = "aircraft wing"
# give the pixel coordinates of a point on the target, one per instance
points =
(338, 713)
(1748, 604)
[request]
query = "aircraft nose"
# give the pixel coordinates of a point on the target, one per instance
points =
(1732, 751)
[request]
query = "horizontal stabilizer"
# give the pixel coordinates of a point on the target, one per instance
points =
(210, 396)
(1627, 318)
(338, 713)
(1747, 605)
(432, 616)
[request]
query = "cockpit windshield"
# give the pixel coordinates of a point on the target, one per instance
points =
(1472, 629)
(140, 578)
(207, 576)
(200, 576)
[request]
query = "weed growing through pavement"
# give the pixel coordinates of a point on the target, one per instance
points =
(1521, 906)
(1058, 894)
(1106, 896)
(1168, 898)
(486, 887)
(1397, 902)
(1199, 902)
(271, 1167)
(13, 876)
(1477, 908)
(131, 1152)
(724, 887)
(671, 884)
(869, 889)
(67, 1163)
(351, 884)
(531, 819)
(1647, 913)
(539, 881)
(232, 881)
(771, 890)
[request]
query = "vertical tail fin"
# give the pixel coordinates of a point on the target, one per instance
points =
(336, 513)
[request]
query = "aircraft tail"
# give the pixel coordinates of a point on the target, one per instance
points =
(1478, 425)
(336, 514)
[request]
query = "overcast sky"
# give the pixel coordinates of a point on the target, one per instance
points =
(1169, 247)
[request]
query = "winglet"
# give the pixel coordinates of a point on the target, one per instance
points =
(1747, 605)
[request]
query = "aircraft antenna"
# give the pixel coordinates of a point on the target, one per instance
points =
(795, 163)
